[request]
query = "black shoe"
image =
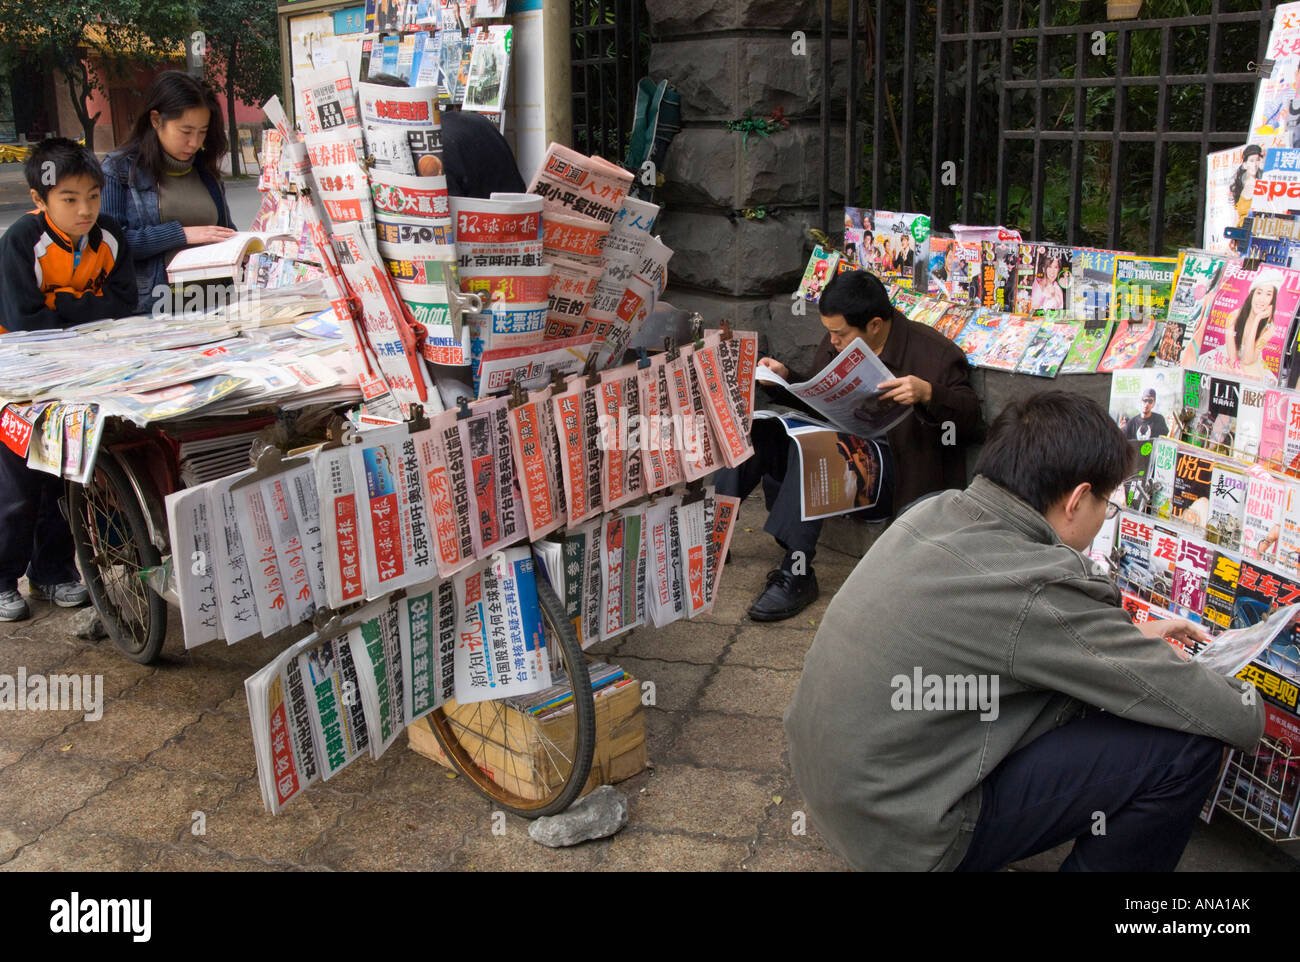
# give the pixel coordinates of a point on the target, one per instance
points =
(785, 596)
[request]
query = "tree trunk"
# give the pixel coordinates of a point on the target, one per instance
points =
(230, 108)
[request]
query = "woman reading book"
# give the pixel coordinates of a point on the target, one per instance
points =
(164, 185)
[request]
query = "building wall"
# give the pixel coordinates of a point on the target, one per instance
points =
(726, 57)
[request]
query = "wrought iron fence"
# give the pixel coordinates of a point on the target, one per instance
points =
(1045, 115)
(610, 52)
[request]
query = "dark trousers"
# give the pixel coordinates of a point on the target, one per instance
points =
(1141, 785)
(776, 464)
(34, 537)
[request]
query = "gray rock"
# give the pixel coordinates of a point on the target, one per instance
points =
(745, 259)
(87, 625)
(600, 814)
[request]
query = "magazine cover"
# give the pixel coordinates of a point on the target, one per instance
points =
(1288, 542)
(819, 271)
(1088, 347)
(1190, 501)
(1249, 323)
(1160, 473)
(944, 263)
(1093, 280)
(1130, 346)
(901, 248)
(489, 69)
(1227, 201)
(1191, 573)
(1211, 404)
(1272, 439)
(1051, 287)
(1134, 547)
(1199, 274)
(1143, 403)
(1014, 335)
(1049, 347)
(966, 281)
(1262, 517)
(839, 472)
(1221, 590)
(1164, 561)
(976, 337)
(858, 235)
(1142, 287)
(1227, 506)
(954, 321)
(999, 265)
(1026, 271)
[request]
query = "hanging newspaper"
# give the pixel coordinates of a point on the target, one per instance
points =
(427, 620)
(237, 601)
(693, 532)
(739, 356)
(376, 649)
(515, 299)
(573, 239)
(427, 287)
(577, 424)
(285, 748)
(501, 644)
(336, 491)
(723, 513)
(340, 179)
(617, 330)
(570, 181)
(293, 556)
(845, 392)
(393, 521)
(256, 532)
(190, 529)
(485, 441)
(536, 450)
(532, 366)
(502, 234)
(329, 101)
(622, 479)
(390, 112)
(442, 460)
(338, 725)
(697, 445)
(571, 292)
(412, 210)
(623, 579)
(665, 594)
(723, 403)
(658, 439)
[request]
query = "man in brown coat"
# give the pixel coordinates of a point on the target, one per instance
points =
(931, 377)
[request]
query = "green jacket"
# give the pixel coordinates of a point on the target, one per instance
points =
(971, 582)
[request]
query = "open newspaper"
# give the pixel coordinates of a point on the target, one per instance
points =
(845, 392)
(838, 472)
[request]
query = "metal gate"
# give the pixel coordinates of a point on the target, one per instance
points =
(610, 52)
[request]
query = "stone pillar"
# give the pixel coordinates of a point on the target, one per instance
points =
(726, 57)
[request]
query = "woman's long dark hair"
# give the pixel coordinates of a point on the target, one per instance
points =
(1247, 306)
(1239, 181)
(174, 92)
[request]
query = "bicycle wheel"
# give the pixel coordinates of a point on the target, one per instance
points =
(113, 548)
(525, 767)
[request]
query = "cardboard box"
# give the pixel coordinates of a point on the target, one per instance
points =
(518, 752)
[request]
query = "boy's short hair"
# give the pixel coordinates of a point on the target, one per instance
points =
(1042, 447)
(857, 296)
(56, 158)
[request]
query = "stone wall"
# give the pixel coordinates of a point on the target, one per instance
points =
(725, 57)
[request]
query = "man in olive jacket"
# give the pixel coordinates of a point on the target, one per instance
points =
(925, 451)
(937, 724)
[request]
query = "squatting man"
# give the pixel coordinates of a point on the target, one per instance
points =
(1104, 733)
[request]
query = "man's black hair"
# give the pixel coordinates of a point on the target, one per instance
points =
(56, 158)
(858, 296)
(1042, 447)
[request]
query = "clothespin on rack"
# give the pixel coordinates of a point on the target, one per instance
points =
(589, 370)
(338, 432)
(331, 624)
(518, 396)
(1251, 263)
(368, 161)
(697, 330)
(462, 402)
(269, 463)
(557, 382)
(1264, 68)
(726, 329)
(694, 492)
(419, 420)
(642, 359)
(671, 349)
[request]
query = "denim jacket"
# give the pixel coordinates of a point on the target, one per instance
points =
(131, 197)
(971, 585)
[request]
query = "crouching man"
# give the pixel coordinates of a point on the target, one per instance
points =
(975, 694)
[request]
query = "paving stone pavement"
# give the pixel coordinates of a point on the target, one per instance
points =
(173, 754)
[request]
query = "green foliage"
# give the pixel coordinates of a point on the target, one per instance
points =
(66, 33)
(243, 53)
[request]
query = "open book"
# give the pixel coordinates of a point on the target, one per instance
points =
(220, 260)
(844, 392)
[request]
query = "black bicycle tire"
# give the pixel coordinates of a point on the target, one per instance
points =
(133, 513)
(561, 628)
